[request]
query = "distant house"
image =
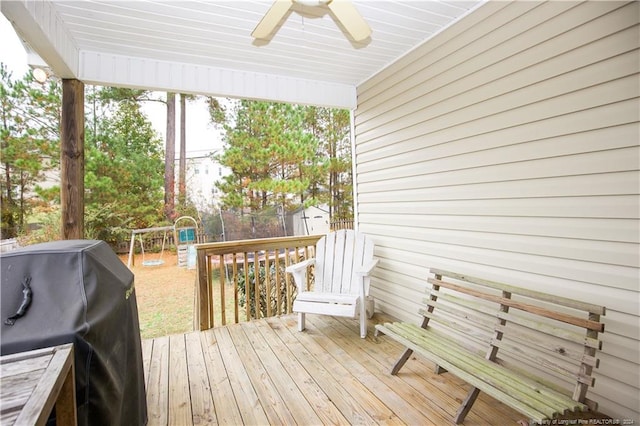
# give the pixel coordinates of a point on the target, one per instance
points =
(203, 173)
(8, 245)
(310, 221)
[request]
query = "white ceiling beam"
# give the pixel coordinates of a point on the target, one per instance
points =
(129, 71)
(37, 22)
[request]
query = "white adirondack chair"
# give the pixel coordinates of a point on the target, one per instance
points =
(343, 264)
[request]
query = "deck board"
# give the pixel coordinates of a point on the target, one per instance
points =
(266, 372)
(251, 408)
(202, 407)
(179, 394)
(324, 408)
(301, 410)
(158, 383)
(274, 406)
(390, 389)
(226, 410)
(335, 393)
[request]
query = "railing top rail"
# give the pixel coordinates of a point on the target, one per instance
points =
(240, 246)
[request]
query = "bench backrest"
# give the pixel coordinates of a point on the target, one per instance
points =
(338, 255)
(555, 336)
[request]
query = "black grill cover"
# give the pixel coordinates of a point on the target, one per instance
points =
(82, 294)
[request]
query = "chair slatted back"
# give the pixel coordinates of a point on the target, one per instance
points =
(338, 255)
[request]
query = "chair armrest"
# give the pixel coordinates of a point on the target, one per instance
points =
(365, 270)
(300, 266)
(299, 272)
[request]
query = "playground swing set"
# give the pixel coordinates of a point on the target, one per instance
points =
(184, 237)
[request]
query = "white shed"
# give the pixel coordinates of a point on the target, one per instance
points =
(310, 221)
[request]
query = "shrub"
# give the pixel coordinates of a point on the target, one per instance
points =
(277, 289)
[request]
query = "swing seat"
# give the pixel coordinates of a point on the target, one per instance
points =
(152, 262)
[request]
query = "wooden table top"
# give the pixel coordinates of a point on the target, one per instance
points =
(32, 382)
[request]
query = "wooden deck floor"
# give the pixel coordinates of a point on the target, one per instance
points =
(266, 372)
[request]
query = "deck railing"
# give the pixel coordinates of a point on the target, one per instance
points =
(338, 224)
(246, 279)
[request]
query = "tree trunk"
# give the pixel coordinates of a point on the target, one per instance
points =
(8, 220)
(170, 158)
(23, 207)
(182, 179)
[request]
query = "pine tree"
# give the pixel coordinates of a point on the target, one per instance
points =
(285, 155)
(123, 168)
(29, 144)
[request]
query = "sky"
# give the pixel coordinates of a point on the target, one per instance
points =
(202, 138)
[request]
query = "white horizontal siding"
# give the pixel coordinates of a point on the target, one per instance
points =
(598, 229)
(508, 147)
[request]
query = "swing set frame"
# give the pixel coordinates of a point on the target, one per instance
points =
(142, 231)
(173, 228)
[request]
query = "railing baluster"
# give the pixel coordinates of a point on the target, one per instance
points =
(287, 280)
(210, 291)
(267, 281)
(256, 270)
(222, 267)
(247, 285)
(277, 284)
(236, 302)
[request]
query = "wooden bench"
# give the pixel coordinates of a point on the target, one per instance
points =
(467, 320)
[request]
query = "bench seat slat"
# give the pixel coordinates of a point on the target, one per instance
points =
(593, 405)
(534, 414)
(470, 378)
(492, 373)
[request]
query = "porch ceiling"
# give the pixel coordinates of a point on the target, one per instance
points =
(206, 46)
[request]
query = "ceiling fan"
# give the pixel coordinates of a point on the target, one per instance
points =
(343, 11)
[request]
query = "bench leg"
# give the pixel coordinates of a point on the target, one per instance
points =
(405, 356)
(301, 324)
(466, 405)
(439, 370)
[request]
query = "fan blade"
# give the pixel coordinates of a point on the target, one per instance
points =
(350, 18)
(272, 18)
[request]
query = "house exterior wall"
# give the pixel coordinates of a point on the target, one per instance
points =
(506, 147)
(202, 175)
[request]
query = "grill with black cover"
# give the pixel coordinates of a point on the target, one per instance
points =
(80, 292)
